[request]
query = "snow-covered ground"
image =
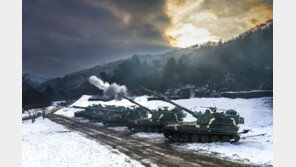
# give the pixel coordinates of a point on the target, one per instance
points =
(258, 114)
(148, 135)
(45, 143)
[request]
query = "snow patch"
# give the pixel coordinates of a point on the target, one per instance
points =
(119, 128)
(148, 135)
(68, 112)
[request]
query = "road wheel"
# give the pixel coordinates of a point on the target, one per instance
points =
(176, 137)
(194, 138)
(185, 137)
(225, 139)
(166, 134)
(204, 138)
(236, 138)
(215, 139)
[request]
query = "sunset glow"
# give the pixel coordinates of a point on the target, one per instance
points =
(199, 21)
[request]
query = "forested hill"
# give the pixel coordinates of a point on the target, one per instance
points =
(242, 63)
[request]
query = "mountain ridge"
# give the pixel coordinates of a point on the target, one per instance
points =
(77, 81)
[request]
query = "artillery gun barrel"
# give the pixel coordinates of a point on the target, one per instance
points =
(132, 101)
(169, 101)
(80, 107)
(92, 108)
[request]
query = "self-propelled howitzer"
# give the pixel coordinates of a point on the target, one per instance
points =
(97, 113)
(210, 126)
(128, 114)
(158, 120)
(86, 112)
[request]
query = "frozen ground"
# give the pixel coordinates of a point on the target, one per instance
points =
(45, 143)
(258, 114)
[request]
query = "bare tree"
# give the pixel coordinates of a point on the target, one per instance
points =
(32, 114)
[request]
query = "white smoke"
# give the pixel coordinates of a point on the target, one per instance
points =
(110, 91)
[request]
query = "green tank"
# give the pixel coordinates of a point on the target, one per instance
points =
(210, 126)
(97, 113)
(128, 114)
(159, 119)
(121, 119)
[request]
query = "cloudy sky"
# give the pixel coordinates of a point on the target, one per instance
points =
(63, 36)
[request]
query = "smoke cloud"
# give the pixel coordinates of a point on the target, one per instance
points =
(110, 91)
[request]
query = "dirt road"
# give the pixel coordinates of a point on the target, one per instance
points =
(144, 150)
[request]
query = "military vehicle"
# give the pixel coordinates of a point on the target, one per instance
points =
(210, 126)
(97, 113)
(128, 114)
(159, 118)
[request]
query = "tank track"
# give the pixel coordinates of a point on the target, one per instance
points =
(113, 124)
(154, 129)
(201, 137)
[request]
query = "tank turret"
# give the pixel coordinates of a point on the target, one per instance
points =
(128, 114)
(159, 118)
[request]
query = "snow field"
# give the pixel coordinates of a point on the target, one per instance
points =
(45, 143)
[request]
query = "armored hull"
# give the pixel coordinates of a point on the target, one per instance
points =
(209, 127)
(187, 132)
(98, 113)
(115, 121)
(157, 122)
(97, 116)
(147, 125)
(123, 118)
(79, 114)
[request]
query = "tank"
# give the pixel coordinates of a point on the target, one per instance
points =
(158, 120)
(128, 114)
(97, 113)
(210, 126)
(122, 118)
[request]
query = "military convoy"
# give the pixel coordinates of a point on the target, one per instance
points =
(210, 126)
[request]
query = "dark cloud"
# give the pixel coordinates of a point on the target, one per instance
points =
(64, 36)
